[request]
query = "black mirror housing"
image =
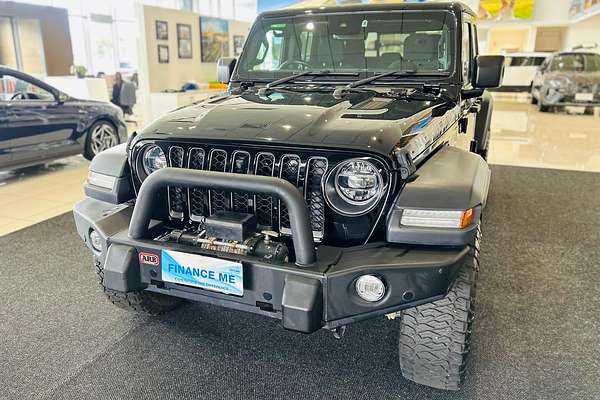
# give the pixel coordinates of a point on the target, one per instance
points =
(225, 67)
(489, 71)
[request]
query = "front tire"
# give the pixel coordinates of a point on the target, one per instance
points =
(543, 108)
(139, 301)
(435, 338)
(534, 101)
(101, 135)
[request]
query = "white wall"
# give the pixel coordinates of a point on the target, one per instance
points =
(584, 32)
(551, 11)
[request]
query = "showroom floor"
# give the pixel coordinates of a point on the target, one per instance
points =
(536, 327)
(538, 298)
(521, 136)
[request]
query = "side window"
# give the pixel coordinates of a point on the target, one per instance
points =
(270, 52)
(466, 54)
(306, 41)
(15, 89)
(545, 64)
(474, 41)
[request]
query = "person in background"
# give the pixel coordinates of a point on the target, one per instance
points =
(116, 90)
(123, 94)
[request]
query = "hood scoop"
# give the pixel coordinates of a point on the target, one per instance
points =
(373, 106)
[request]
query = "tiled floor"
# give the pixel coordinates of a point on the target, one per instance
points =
(520, 136)
(525, 137)
(37, 193)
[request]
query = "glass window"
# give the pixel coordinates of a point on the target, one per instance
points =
(8, 54)
(576, 63)
(32, 48)
(127, 34)
(419, 43)
(76, 27)
(537, 61)
(592, 63)
(466, 53)
(102, 47)
(525, 61)
(15, 89)
(245, 10)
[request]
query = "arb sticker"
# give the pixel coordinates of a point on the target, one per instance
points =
(149, 258)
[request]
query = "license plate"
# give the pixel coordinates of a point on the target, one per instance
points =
(208, 273)
(584, 97)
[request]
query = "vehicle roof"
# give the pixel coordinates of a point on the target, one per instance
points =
(453, 6)
(528, 54)
(572, 52)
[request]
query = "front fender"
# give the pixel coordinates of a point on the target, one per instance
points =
(452, 179)
(109, 178)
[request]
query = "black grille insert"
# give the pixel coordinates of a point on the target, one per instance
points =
(271, 214)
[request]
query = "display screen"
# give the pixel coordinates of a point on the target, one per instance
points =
(420, 43)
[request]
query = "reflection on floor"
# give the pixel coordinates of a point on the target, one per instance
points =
(521, 136)
(34, 194)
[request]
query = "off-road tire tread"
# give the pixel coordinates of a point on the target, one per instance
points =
(139, 301)
(435, 338)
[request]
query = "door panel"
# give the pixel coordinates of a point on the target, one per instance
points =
(5, 141)
(39, 126)
(42, 129)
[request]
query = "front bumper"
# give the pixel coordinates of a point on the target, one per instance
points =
(306, 297)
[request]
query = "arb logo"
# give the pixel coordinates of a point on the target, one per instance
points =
(149, 258)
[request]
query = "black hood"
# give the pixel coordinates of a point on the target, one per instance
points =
(368, 121)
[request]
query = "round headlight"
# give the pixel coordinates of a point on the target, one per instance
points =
(153, 159)
(358, 182)
(370, 288)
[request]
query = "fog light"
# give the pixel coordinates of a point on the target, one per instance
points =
(370, 288)
(95, 240)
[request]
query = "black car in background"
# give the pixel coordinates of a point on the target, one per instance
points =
(39, 123)
(567, 79)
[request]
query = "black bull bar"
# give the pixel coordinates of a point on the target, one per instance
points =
(302, 236)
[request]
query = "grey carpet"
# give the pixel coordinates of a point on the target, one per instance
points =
(536, 334)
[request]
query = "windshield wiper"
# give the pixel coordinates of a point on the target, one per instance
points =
(263, 91)
(404, 72)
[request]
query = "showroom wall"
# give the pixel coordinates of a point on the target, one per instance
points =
(177, 71)
(584, 32)
(54, 37)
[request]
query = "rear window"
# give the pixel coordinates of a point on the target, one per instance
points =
(525, 61)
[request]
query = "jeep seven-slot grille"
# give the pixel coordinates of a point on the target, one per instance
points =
(270, 212)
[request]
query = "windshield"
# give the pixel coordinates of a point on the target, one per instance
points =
(576, 63)
(364, 44)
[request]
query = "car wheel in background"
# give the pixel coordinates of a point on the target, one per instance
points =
(533, 99)
(102, 135)
(542, 107)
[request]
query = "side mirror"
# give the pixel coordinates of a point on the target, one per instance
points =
(225, 68)
(60, 97)
(489, 71)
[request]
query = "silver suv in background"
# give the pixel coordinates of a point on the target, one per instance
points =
(568, 79)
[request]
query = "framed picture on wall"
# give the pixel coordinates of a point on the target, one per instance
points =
(162, 30)
(238, 44)
(163, 54)
(184, 40)
(214, 39)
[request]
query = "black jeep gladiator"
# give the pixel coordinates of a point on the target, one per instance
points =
(342, 177)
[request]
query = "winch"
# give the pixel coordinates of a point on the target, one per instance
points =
(235, 233)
